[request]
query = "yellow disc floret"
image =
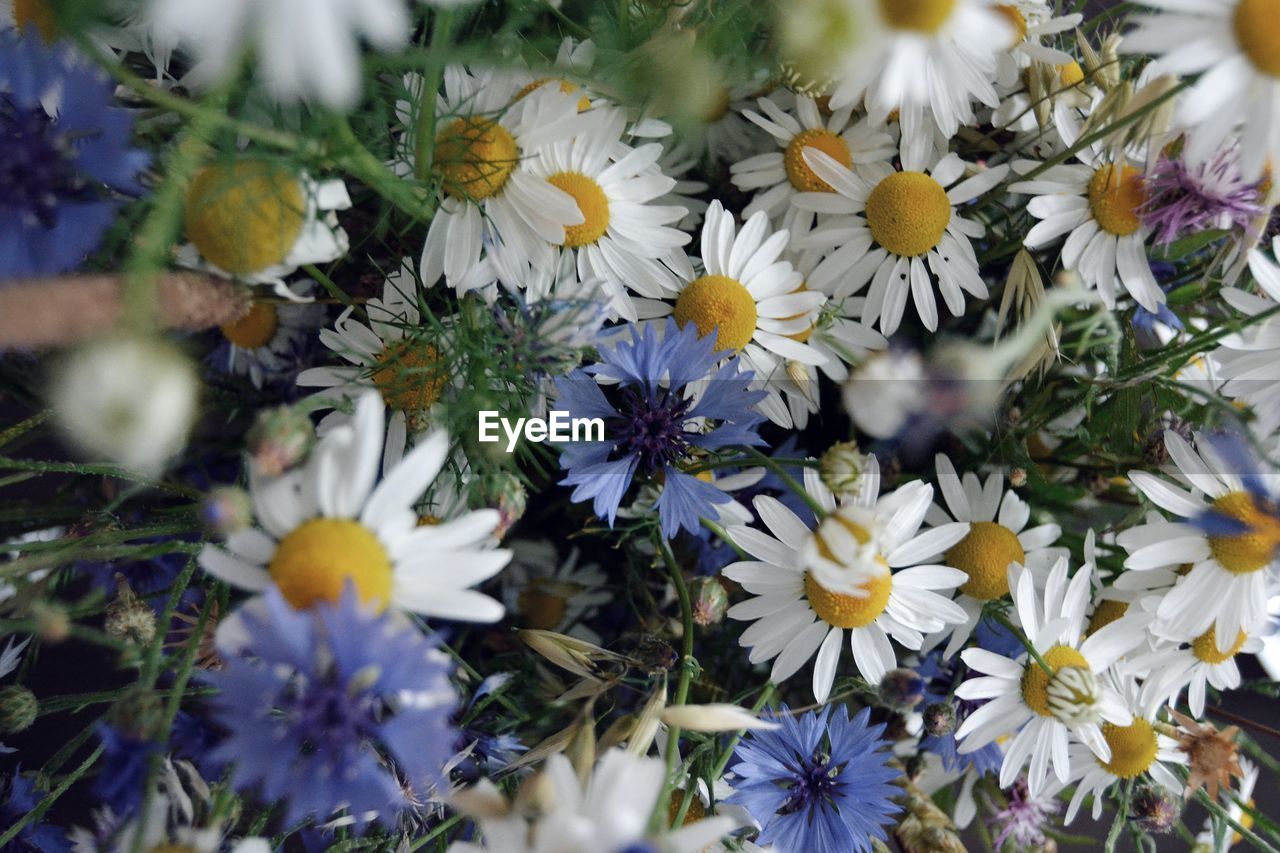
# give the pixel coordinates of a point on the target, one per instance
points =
(255, 329)
(475, 156)
(720, 304)
(849, 611)
(411, 376)
(1133, 748)
(1107, 611)
(1115, 199)
(1070, 74)
(984, 555)
(694, 813)
(1035, 681)
(593, 203)
(38, 14)
(1252, 549)
(908, 213)
(316, 560)
(1205, 647)
(1017, 21)
(924, 16)
(246, 216)
(1257, 27)
(798, 171)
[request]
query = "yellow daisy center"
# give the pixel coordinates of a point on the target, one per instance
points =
(908, 213)
(584, 103)
(38, 14)
(1133, 748)
(696, 811)
(1114, 200)
(593, 203)
(317, 559)
(1107, 611)
(1254, 548)
(849, 611)
(1257, 26)
(245, 216)
(475, 156)
(1035, 681)
(798, 171)
(1070, 74)
(411, 376)
(1017, 21)
(720, 304)
(985, 554)
(924, 16)
(255, 329)
(1205, 647)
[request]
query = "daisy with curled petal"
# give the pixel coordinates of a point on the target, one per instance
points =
(998, 538)
(1234, 44)
(1038, 708)
(1099, 206)
(265, 343)
(394, 353)
(871, 551)
(328, 525)
(900, 231)
(488, 135)
(776, 176)
(1229, 535)
(1138, 751)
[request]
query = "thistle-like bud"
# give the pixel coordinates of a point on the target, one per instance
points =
(710, 601)
(128, 617)
(1018, 477)
(1074, 696)
(843, 467)
(18, 709)
(280, 438)
(1155, 808)
(225, 510)
(939, 719)
(53, 625)
(655, 653)
(901, 688)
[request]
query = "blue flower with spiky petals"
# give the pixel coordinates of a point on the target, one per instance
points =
(17, 798)
(64, 157)
(654, 423)
(333, 707)
(820, 782)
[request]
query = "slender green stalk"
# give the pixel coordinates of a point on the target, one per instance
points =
(789, 481)
(1022, 638)
(49, 799)
(686, 671)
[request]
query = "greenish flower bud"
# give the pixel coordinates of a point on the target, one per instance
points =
(710, 601)
(18, 709)
(843, 467)
(280, 438)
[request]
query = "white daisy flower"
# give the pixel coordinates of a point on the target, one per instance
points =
(488, 135)
(1129, 589)
(551, 593)
(751, 299)
(327, 525)
(998, 538)
(258, 221)
(1138, 750)
(1233, 43)
(394, 353)
(1227, 587)
(1250, 361)
(1193, 667)
(871, 549)
(777, 176)
(1037, 709)
(625, 240)
(265, 342)
(1099, 206)
(931, 57)
(1032, 21)
(899, 231)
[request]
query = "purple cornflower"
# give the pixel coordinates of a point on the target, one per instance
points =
(820, 782)
(653, 423)
(1187, 198)
(1025, 817)
(333, 707)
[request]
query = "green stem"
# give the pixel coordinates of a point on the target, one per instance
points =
(686, 672)
(424, 142)
(787, 480)
(723, 761)
(351, 156)
(1123, 812)
(49, 799)
(1022, 638)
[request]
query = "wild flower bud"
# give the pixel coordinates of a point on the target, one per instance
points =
(511, 497)
(53, 625)
(710, 601)
(1155, 808)
(901, 688)
(225, 510)
(842, 468)
(939, 719)
(128, 617)
(18, 709)
(1018, 477)
(280, 438)
(655, 653)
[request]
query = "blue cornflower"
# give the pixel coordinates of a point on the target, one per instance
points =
(651, 422)
(820, 782)
(59, 168)
(17, 797)
(333, 707)
(126, 757)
